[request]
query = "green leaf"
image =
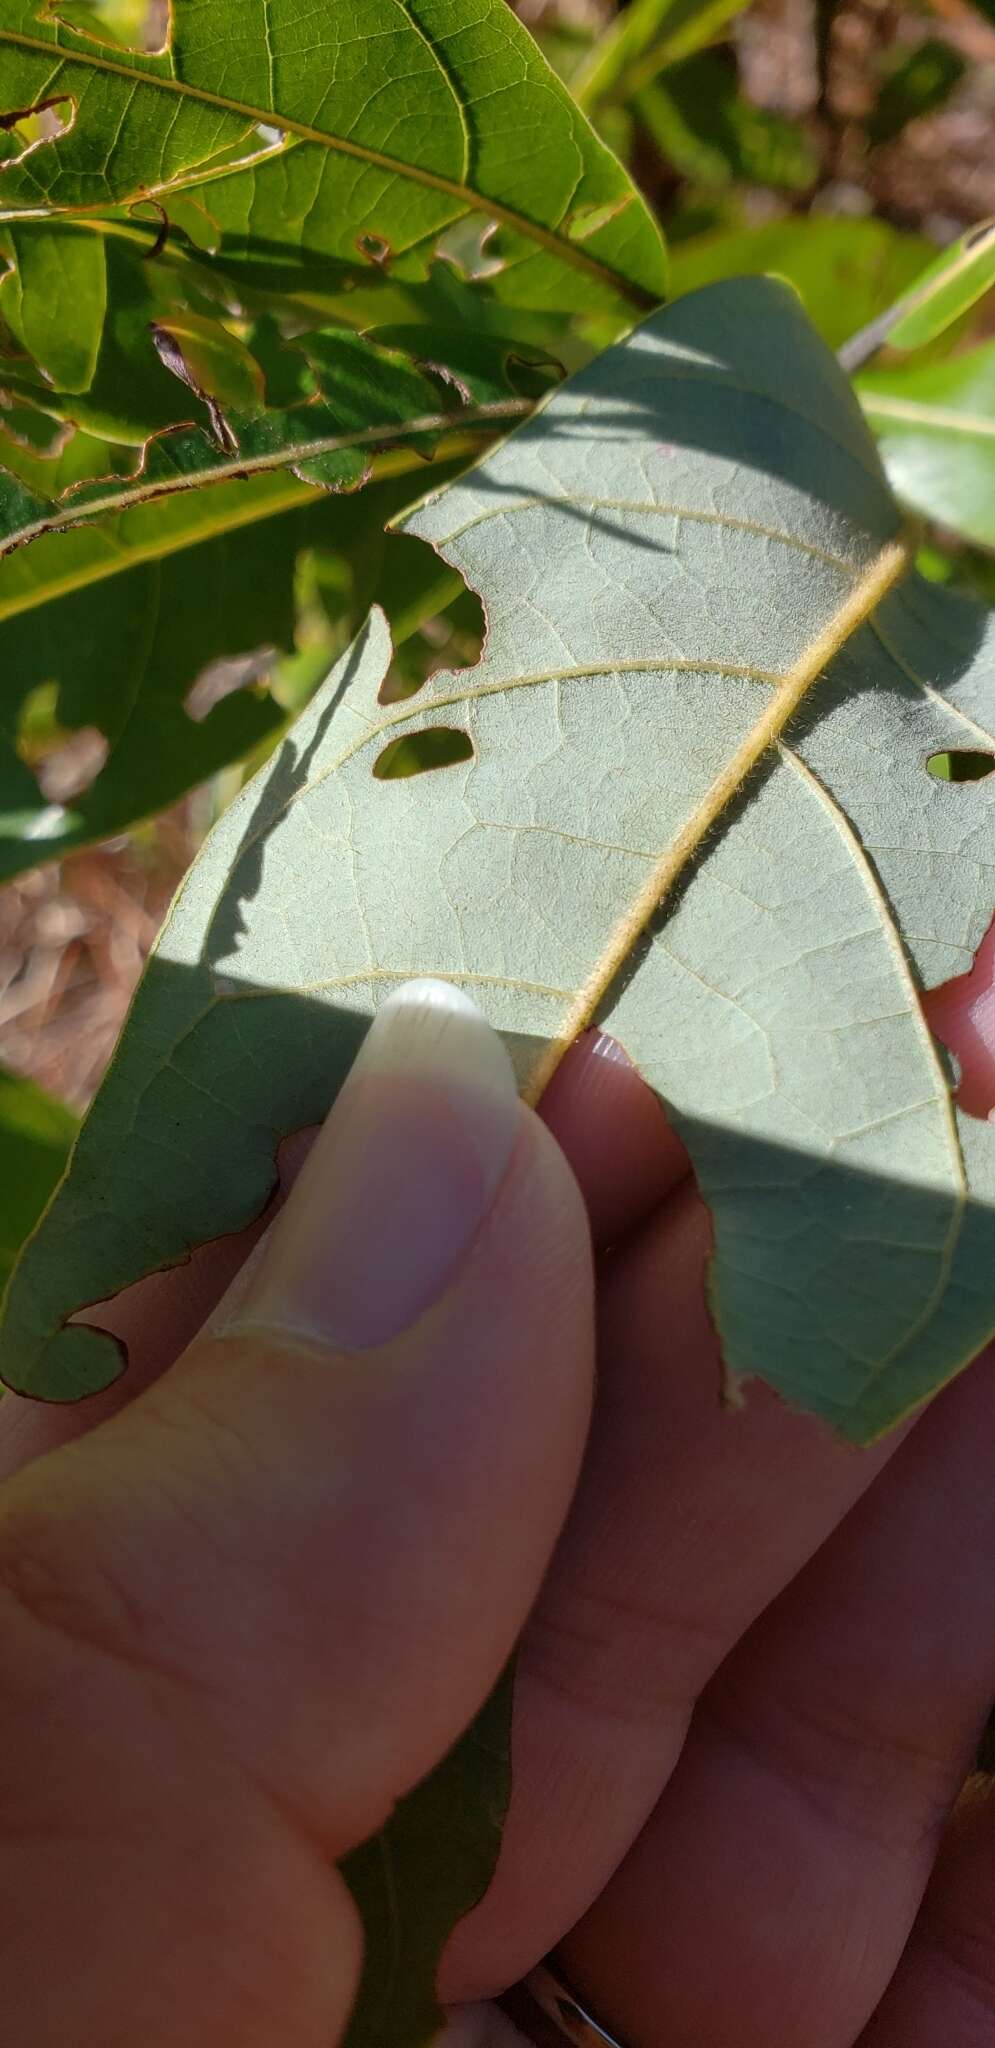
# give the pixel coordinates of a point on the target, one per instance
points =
(644, 39)
(370, 399)
(393, 127)
(936, 431)
(55, 298)
(195, 581)
(36, 1133)
(439, 1847)
(947, 289)
(128, 393)
(917, 86)
(668, 556)
(711, 134)
(846, 271)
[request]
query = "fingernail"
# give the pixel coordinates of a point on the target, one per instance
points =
(399, 1179)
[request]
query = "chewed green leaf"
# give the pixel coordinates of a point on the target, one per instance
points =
(366, 399)
(383, 127)
(689, 539)
(188, 582)
(936, 431)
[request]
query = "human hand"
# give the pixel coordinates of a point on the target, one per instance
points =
(261, 1599)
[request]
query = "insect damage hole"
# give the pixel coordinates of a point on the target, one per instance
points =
(960, 766)
(438, 746)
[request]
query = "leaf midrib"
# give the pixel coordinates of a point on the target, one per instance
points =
(567, 251)
(450, 447)
(913, 412)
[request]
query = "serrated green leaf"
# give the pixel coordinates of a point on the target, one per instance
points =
(36, 1132)
(947, 289)
(936, 431)
(55, 298)
(846, 271)
(393, 126)
(671, 548)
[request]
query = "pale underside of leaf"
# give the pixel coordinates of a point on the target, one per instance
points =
(693, 527)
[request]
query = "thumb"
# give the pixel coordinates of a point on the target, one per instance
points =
(257, 1605)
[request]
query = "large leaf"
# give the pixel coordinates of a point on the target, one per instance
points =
(670, 555)
(936, 431)
(36, 1132)
(394, 126)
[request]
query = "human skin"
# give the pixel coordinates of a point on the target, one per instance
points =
(250, 1594)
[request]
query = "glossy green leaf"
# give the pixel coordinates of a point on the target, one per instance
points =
(36, 1132)
(917, 86)
(947, 289)
(386, 127)
(665, 546)
(936, 430)
(55, 297)
(846, 271)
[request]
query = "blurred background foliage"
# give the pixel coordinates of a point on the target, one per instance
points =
(839, 145)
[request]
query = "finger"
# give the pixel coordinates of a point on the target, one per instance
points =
(943, 1992)
(254, 1607)
(688, 1521)
(625, 1157)
(607, 1122)
(155, 1320)
(798, 1832)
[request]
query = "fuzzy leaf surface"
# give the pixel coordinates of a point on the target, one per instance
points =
(661, 551)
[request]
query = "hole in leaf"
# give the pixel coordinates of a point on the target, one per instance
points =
(375, 249)
(64, 760)
(436, 621)
(961, 1014)
(960, 766)
(69, 769)
(439, 746)
(27, 128)
(221, 679)
(142, 25)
